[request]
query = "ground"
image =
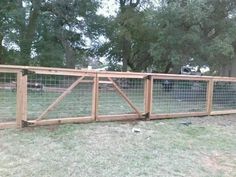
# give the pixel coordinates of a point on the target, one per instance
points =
(206, 147)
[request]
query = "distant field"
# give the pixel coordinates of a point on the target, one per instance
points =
(205, 148)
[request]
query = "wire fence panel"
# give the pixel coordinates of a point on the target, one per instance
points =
(178, 96)
(69, 95)
(224, 96)
(7, 97)
(112, 102)
(56, 91)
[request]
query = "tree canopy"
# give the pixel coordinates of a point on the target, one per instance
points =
(142, 35)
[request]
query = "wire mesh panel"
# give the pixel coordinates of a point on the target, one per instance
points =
(57, 96)
(7, 97)
(111, 96)
(224, 96)
(178, 96)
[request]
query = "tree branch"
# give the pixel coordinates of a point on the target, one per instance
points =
(134, 4)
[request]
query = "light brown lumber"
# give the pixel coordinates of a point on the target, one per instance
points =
(105, 82)
(8, 125)
(209, 96)
(125, 97)
(233, 111)
(67, 91)
(180, 77)
(21, 99)
(122, 75)
(60, 121)
(148, 94)
(175, 115)
(121, 117)
(4, 70)
(95, 97)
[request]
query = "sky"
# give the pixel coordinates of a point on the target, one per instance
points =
(108, 8)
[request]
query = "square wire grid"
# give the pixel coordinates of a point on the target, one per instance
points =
(7, 97)
(224, 97)
(178, 96)
(77, 103)
(110, 102)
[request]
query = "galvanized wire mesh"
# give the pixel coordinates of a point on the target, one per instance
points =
(7, 97)
(178, 96)
(47, 88)
(224, 97)
(110, 100)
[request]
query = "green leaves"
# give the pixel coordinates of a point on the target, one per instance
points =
(66, 33)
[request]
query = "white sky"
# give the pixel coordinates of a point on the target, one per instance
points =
(108, 8)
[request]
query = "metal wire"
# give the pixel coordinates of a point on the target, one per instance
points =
(111, 102)
(178, 96)
(7, 97)
(75, 104)
(224, 97)
(169, 96)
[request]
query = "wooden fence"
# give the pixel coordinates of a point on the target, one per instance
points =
(31, 96)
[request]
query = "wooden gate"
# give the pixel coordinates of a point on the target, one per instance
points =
(31, 96)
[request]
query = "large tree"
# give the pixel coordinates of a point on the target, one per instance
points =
(126, 35)
(202, 31)
(51, 32)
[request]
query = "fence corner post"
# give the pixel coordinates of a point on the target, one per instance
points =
(148, 91)
(95, 97)
(210, 92)
(21, 99)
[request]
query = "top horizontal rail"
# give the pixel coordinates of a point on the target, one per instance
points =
(76, 72)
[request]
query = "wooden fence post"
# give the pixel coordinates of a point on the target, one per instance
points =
(148, 89)
(210, 92)
(95, 97)
(21, 102)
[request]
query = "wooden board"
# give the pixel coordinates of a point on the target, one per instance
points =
(21, 100)
(61, 121)
(121, 117)
(61, 97)
(95, 97)
(125, 97)
(223, 112)
(209, 96)
(175, 115)
(8, 125)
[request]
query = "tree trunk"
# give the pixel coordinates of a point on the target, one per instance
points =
(126, 49)
(29, 33)
(70, 54)
(126, 44)
(2, 60)
(168, 67)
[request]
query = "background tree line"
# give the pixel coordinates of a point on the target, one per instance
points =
(144, 34)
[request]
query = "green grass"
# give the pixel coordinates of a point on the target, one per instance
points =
(7, 105)
(162, 148)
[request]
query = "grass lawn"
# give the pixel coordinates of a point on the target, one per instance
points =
(207, 147)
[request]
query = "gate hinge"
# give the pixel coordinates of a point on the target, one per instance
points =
(146, 115)
(26, 72)
(148, 77)
(26, 123)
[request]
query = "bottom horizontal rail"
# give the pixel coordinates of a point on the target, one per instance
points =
(175, 115)
(223, 112)
(8, 125)
(120, 117)
(60, 121)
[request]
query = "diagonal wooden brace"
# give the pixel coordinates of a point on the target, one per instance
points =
(55, 103)
(125, 97)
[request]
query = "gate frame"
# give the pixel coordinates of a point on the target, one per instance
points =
(21, 95)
